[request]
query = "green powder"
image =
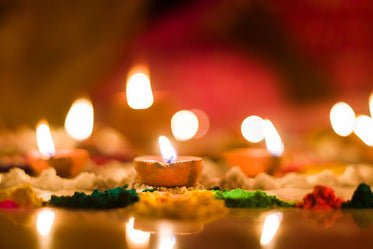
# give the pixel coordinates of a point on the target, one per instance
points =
(149, 190)
(111, 198)
(362, 198)
(239, 198)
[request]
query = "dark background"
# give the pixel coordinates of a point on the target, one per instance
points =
(284, 60)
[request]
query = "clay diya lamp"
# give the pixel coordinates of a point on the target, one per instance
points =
(254, 161)
(168, 170)
(67, 162)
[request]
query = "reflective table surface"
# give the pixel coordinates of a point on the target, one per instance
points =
(241, 228)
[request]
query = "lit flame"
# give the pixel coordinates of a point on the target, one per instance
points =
(139, 92)
(44, 140)
(44, 222)
(252, 129)
(364, 129)
(168, 152)
(274, 144)
(136, 237)
(371, 104)
(79, 120)
(271, 225)
(342, 119)
(184, 125)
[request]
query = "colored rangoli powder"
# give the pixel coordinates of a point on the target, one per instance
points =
(23, 196)
(196, 205)
(362, 198)
(8, 204)
(111, 198)
(322, 197)
(238, 198)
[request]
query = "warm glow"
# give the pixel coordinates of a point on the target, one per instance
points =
(371, 104)
(252, 129)
(274, 144)
(168, 152)
(139, 91)
(44, 140)
(79, 120)
(364, 129)
(184, 125)
(203, 123)
(342, 119)
(167, 241)
(271, 225)
(136, 237)
(44, 222)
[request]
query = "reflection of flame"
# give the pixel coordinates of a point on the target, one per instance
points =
(44, 222)
(363, 129)
(274, 144)
(167, 241)
(168, 152)
(44, 140)
(79, 120)
(139, 91)
(271, 225)
(136, 237)
(184, 125)
(342, 119)
(252, 129)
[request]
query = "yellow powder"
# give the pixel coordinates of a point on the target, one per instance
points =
(24, 196)
(196, 205)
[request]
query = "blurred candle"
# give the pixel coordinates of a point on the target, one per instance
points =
(67, 162)
(253, 161)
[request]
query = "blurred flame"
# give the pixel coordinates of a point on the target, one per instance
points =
(203, 122)
(44, 140)
(252, 129)
(136, 237)
(342, 119)
(274, 144)
(168, 152)
(271, 225)
(44, 222)
(184, 125)
(364, 129)
(371, 104)
(138, 90)
(79, 120)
